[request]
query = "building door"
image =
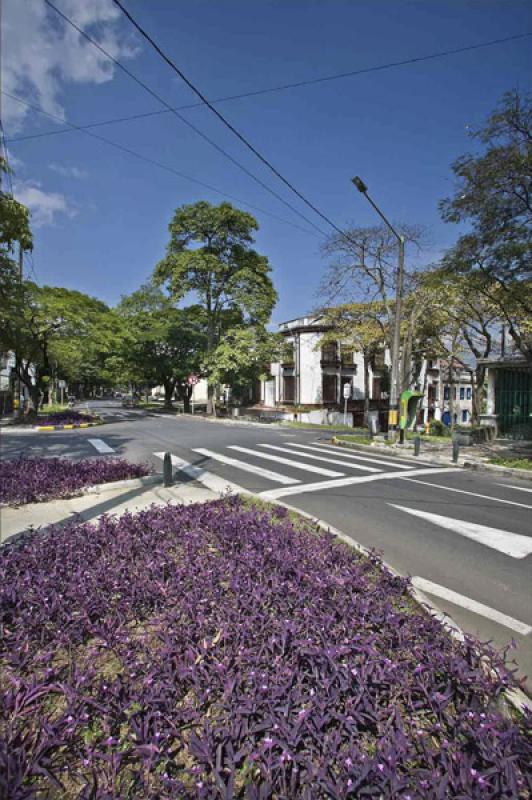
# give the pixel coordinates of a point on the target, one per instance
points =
(330, 388)
(289, 388)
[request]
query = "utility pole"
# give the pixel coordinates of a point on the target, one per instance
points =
(393, 413)
(18, 405)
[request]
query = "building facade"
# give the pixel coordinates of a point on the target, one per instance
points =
(313, 374)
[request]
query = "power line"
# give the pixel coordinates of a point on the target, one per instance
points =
(182, 119)
(297, 85)
(226, 122)
(153, 162)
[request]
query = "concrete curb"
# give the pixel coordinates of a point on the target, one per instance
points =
(515, 697)
(511, 472)
(127, 483)
(48, 428)
(395, 453)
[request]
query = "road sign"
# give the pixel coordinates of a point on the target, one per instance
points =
(61, 384)
(347, 391)
(192, 380)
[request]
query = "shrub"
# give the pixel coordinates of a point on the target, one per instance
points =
(437, 428)
(220, 651)
(30, 480)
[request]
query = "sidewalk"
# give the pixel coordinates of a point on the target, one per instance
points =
(88, 507)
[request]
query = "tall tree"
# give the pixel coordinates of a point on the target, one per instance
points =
(363, 269)
(162, 344)
(494, 194)
(210, 255)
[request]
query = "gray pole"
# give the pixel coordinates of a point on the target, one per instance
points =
(396, 338)
(394, 387)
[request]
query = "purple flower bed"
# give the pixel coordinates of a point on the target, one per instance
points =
(222, 651)
(30, 480)
(64, 418)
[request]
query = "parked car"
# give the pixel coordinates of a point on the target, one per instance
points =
(130, 401)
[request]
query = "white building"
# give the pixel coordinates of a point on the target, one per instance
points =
(311, 377)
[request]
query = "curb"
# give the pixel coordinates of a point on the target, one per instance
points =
(511, 472)
(515, 697)
(393, 453)
(48, 428)
(127, 483)
(65, 427)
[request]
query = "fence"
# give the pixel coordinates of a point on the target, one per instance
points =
(513, 403)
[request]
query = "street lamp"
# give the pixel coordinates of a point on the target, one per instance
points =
(394, 383)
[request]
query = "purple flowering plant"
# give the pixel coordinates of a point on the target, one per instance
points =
(31, 480)
(225, 650)
(67, 417)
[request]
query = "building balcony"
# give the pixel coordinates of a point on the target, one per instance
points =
(330, 361)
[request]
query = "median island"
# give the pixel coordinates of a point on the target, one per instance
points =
(235, 650)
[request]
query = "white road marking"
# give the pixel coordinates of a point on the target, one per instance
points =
(272, 494)
(511, 544)
(464, 491)
(471, 605)
(208, 479)
(352, 454)
(243, 465)
(101, 446)
(288, 461)
(510, 486)
(321, 458)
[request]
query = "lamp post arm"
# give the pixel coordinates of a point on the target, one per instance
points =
(386, 221)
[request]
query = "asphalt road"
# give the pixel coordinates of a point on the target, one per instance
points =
(466, 539)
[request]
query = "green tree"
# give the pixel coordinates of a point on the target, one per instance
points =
(362, 327)
(243, 356)
(162, 344)
(210, 256)
(54, 335)
(14, 231)
(494, 195)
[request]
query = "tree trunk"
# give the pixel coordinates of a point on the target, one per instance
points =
(477, 391)
(168, 392)
(211, 399)
(187, 395)
(366, 390)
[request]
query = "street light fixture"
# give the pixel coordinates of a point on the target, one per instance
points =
(394, 383)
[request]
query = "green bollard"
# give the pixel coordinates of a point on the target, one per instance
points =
(417, 445)
(456, 449)
(167, 469)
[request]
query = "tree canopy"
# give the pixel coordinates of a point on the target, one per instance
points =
(494, 195)
(210, 256)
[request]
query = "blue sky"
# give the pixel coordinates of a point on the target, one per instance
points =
(101, 216)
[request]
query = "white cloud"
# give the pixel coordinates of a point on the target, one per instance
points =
(68, 171)
(41, 52)
(44, 206)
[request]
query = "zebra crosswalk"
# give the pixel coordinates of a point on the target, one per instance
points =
(293, 467)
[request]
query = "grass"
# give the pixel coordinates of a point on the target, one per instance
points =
(355, 439)
(514, 463)
(317, 426)
(53, 408)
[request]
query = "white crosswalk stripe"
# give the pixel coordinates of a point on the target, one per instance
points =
(471, 605)
(343, 463)
(350, 454)
(244, 465)
(288, 461)
(511, 544)
(101, 446)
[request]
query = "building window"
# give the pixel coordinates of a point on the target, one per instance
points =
(287, 353)
(462, 393)
(329, 354)
(464, 416)
(446, 393)
(468, 393)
